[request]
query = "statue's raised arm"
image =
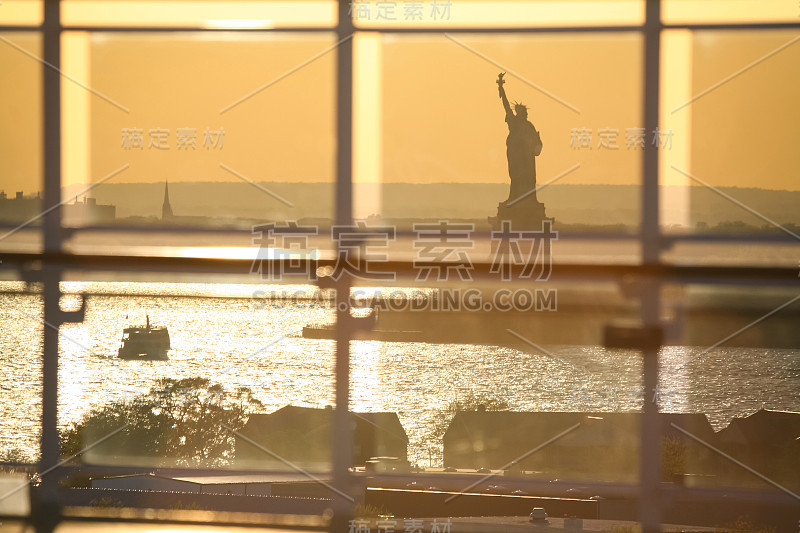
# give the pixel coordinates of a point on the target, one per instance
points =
(502, 91)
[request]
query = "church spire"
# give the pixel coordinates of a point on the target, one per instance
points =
(166, 209)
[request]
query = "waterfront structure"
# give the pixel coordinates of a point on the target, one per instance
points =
(303, 435)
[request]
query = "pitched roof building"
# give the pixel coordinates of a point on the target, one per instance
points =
(569, 444)
(767, 441)
(303, 435)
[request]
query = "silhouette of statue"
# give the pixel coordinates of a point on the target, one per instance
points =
(523, 145)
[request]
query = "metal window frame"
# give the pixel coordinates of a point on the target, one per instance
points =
(652, 271)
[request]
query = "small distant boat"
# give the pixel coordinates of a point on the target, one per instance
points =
(147, 343)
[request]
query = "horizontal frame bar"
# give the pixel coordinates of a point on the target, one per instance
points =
(664, 272)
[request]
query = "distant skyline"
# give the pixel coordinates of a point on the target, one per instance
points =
(569, 203)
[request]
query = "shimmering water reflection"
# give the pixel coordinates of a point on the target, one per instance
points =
(232, 341)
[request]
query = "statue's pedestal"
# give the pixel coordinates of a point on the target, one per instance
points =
(525, 214)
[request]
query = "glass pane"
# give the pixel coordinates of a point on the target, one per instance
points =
(731, 168)
(431, 143)
(735, 109)
(21, 181)
(200, 375)
(531, 404)
(21, 13)
(247, 14)
(510, 347)
(728, 11)
(733, 357)
(507, 13)
(201, 130)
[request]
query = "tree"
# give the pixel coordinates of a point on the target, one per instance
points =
(442, 418)
(473, 402)
(179, 422)
(673, 457)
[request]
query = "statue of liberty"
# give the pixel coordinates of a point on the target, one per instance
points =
(523, 144)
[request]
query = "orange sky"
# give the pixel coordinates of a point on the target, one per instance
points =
(426, 106)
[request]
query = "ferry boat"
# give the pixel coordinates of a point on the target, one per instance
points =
(148, 343)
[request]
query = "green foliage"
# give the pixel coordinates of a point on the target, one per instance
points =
(743, 524)
(626, 529)
(183, 420)
(365, 511)
(476, 402)
(106, 501)
(673, 457)
(14, 455)
(638, 529)
(192, 506)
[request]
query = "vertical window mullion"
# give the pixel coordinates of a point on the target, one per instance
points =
(649, 449)
(44, 508)
(341, 431)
